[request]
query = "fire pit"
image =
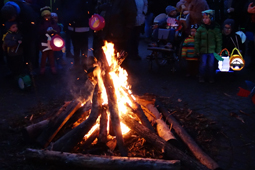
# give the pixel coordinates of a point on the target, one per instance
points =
(110, 116)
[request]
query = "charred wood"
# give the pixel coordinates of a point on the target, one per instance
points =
(187, 139)
(170, 151)
(57, 123)
(101, 162)
(67, 142)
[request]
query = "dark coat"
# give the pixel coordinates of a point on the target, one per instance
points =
(229, 44)
(76, 13)
(11, 43)
(120, 18)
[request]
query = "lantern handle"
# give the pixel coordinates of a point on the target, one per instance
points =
(225, 49)
(237, 51)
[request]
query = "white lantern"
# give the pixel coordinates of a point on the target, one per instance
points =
(224, 65)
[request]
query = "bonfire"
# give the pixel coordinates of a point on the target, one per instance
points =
(109, 115)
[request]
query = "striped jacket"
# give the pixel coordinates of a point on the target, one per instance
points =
(188, 49)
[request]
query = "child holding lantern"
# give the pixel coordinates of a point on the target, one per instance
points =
(208, 42)
(47, 28)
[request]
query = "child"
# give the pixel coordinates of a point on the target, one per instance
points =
(170, 22)
(208, 41)
(188, 52)
(13, 47)
(58, 55)
(48, 27)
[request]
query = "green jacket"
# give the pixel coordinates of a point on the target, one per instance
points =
(208, 40)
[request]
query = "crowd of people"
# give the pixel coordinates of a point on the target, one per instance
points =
(27, 26)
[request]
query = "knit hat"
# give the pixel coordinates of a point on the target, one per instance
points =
(209, 13)
(230, 22)
(169, 9)
(9, 24)
(45, 11)
(16, 6)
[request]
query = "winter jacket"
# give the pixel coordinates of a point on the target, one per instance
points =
(188, 49)
(142, 7)
(44, 25)
(208, 39)
(11, 43)
(195, 8)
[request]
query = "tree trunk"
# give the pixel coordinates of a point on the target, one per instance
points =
(195, 149)
(67, 142)
(57, 123)
(101, 162)
(170, 151)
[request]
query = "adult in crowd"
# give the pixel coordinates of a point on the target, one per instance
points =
(142, 6)
(120, 18)
(193, 8)
(218, 6)
(27, 19)
(1, 35)
(76, 14)
(251, 26)
(230, 39)
(237, 12)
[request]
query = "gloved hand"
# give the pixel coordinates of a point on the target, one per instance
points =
(49, 29)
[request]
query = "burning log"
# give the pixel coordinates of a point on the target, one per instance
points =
(67, 142)
(195, 149)
(101, 162)
(103, 125)
(160, 144)
(114, 111)
(57, 123)
(31, 132)
(90, 139)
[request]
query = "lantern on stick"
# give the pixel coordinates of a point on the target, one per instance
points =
(96, 22)
(57, 43)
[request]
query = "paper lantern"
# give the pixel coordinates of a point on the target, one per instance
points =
(96, 22)
(236, 61)
(224, 65)
(57, 43)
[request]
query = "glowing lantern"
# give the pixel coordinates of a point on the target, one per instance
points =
(225, 64)
(96, 22)
(236, 61)
(57, 43)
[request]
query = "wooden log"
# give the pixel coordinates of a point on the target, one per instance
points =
(139, 112)
(32, 131)
(114, 112)
(164, 131)
(57, 123)
(193, 146)
(90, 139)
(101, 162)
(170, 151)
(67, 142)
(103, 125)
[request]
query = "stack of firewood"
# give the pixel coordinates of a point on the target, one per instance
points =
(145, 119)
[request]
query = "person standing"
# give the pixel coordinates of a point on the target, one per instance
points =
(208, 41)
(77, 14)
(142, 7)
